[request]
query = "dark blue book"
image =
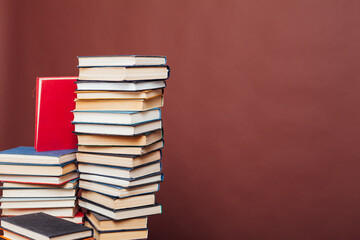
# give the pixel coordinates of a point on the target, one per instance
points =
(115, 192)
(123, 213)
(121, 172)
(28, 155)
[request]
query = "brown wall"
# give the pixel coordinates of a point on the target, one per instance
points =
(262, 115)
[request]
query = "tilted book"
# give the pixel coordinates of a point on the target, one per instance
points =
(54, 103)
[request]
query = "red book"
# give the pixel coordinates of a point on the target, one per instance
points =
(54, 103)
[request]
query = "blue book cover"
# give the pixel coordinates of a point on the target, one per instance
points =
(31, 152)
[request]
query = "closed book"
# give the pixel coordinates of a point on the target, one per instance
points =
(123, 213)
(119, 161)
(119, 86)
(125, 183)
(119, 95)
(29, 155)
(78, 218)
(58, 211)
(123, 73)
(36, 202)
(130, 150)
(14, 185)
(117, 234)
(37, 169)
(117, 191)
(141, 140)
(118, 203)
(118, 104)
(42, 226)
(117, 129)
(121, 172)
(121, 60)
(35, 179)
(54, 103)
(38, 192)
(103, 223)
(116, 117)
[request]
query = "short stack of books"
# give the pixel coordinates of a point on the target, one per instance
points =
(118, 123)
(41, 226)
(39, 182)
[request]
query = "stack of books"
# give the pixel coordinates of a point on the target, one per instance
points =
(118, 123)
(39, 182)
(41, 226)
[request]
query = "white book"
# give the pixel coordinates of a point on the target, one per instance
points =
(121, 60)
(122, 130)
(120, 86)
(116, 117)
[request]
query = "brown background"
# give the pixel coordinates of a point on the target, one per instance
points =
(262, 116)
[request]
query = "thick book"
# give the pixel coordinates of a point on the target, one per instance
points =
(30, 155)
(37, 169)
(118, 234)
(131, 150)
(119, 95)
(126, 173)
(35, 179)
(68, 212)
(117, 129)
(154, 178)
(117, 191)
(116, 117)
(119, 203)
(103, 223)
(36, 202)
(120, 60)
(142, 140)
(118, 104)
(123, 213)
(119, 86)
(123, 73)
(54, 103)
(119, 161)
(41, 226)
(38, 192)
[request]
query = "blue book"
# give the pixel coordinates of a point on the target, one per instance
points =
(28, 155)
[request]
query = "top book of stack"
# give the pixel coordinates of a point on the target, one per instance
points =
(123, 68)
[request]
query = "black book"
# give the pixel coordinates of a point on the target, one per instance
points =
(41, 226)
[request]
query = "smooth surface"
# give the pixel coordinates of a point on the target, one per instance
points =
(261, 115)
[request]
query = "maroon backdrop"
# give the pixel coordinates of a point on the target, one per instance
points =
(262, 110)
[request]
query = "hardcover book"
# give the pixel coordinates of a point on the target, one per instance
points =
(123, 213)
(42, 226)
(103, 223)
(28, 155)
(54, 103)
(121, 60)
(123, 73)
(119, 86)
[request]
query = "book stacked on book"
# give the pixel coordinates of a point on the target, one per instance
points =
(118, 123)
(41, 226)
(39, 182)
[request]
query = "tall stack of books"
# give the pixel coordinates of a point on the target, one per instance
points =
(39, 182)
(118, 123)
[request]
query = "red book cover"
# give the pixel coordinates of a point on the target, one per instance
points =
(54, 103)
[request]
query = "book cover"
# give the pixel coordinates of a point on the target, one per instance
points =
(44, 225)
(54, 103)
